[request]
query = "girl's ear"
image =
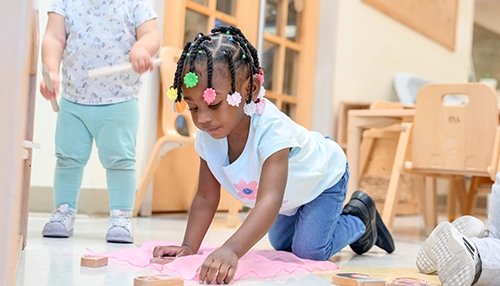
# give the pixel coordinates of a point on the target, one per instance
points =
(256, 87)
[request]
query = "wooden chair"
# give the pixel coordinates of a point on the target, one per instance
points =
(171, 138)
(447, 141)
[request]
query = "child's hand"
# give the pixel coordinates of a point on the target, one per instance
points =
(220, 265)
(140, 59)
(55, 84)
(172, 250)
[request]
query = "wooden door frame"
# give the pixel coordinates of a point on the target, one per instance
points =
(15, 23)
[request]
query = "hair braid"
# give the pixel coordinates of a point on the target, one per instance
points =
(210, 66)
(178, 71)
(230, 61)
(195, 48)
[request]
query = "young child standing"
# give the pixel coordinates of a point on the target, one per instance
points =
(85, 35)
(295, 180)
(465, 252)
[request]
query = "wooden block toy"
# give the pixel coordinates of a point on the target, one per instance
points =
(162, 260)
(158, 280)
(407, 281)
(94, 261)
(356, 279)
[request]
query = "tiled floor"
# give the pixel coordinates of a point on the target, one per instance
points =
(48, 261)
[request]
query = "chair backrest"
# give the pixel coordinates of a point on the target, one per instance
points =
(169, 57)
(454, 139)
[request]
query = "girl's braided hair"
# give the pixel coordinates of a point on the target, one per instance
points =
(224, 44)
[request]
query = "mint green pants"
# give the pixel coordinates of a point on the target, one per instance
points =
(114, 129)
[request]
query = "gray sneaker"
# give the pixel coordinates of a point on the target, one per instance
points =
(467, 225)
(61, 222)
(457, 259)
(470, 226)
(120, 227)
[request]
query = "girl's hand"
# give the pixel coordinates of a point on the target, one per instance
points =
(172, 250)
(141, 60)
(220, 265)
(55, 84)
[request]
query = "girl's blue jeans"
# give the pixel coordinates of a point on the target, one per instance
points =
(114, 129)
(319, 229)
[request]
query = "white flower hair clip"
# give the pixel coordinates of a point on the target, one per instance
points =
(234, 99)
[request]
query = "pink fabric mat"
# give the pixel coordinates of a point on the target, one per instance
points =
(256, 263)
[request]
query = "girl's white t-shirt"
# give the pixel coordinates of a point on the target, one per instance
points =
(315, 162)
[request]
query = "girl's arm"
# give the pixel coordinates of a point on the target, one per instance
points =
(200, 216)
(147, 45)
(222, 263)
(272, 185)
(53, 44)
(202, 209)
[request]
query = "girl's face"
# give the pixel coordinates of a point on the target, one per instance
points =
(219, 119)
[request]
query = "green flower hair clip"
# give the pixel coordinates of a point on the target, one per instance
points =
(190, 79)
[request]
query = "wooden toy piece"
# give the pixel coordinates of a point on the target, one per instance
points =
(406, 281)
(356, 279)
(158, 280)
(162, 260)
(94, 261)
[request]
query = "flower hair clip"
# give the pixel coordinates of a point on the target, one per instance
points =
(190, 79)
(179, 106)
(172, 93)
(256, 107)
(209, 95)
(261, 78)
(250, 108)
(234, 99)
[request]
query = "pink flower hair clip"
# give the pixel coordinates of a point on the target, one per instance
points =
(234, 99)
(261, 78)
(209, 95)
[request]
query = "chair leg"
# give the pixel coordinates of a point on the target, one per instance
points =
(162, 146)
(456, 194)
(461, 190)
(471, 195)
(391, 200)
(429, 203)
(232, 215)
(364, 153)
(451, 201)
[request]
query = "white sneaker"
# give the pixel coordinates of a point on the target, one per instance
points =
(120, 227)
(456, 257)
(468, 226)
(61, 222)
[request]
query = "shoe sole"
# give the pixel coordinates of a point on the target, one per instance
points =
(119, 240)
(384, 237)
(425, 263)
(57, 234)
(455, 265)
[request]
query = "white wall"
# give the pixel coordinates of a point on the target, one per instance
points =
(369, 48)
(45, 119)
